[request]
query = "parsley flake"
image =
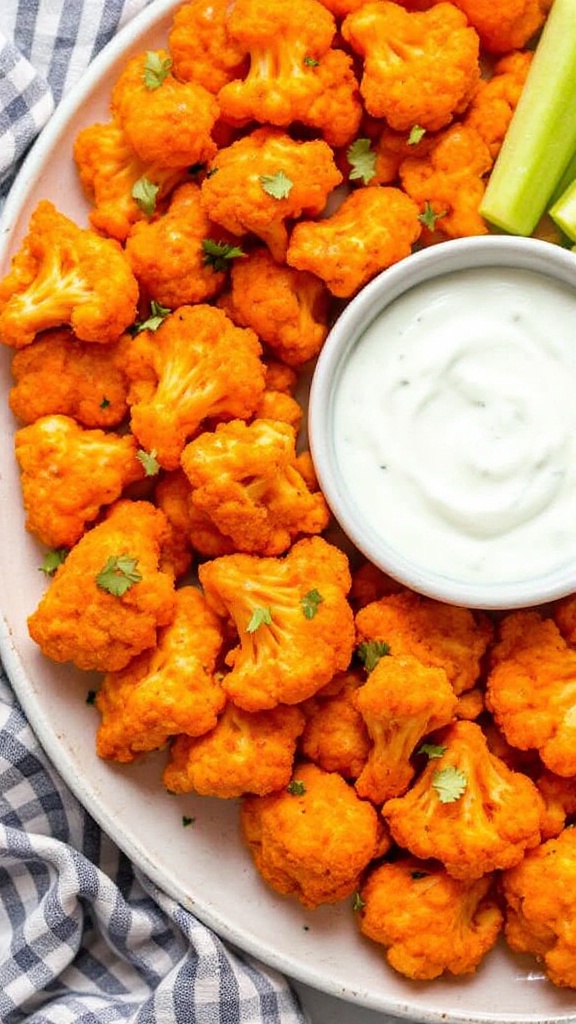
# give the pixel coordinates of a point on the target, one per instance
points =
(416, 134)
(186, 821)
(149, 461)
(91, 697)
(158, 314)
(118, 575)
(144, 192)
(104, 404)
(276, 185)
(260, 617)
(310, 62)
(428, 217)
(370, 653)
(357, 902)
(52, 559)
(362, 160)
(432, 750)
(296, 787)
(418, 874)
(156, 69)
(450, 783)
(218, 254)
(310, 602)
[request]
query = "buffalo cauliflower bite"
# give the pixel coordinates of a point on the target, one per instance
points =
(287, 308)
(167, 255)
(369, 583)
(401, 702)
(419, 68)
(168, 123)
(467, 809)
(540, 911)
(293, 74)
(201, 47)
(168, 690)
(245, 478)
(278, 401)
(294, 625)
(65, 275)
(68, 473)
(559, 795)
(313, 839)
(59, 374)
(429, 923)
(109, 171)
(506, 26)
(246, 752)
(197, 364)
(494, 102)
(107, 600)
(335, 736)
(448, 182)
(373, 228)
(439, 635)
(531, 689)
(266, 178)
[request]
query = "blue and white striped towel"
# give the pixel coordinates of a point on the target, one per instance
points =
(84, 937)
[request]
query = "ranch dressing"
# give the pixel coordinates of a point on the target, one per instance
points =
(455, 425)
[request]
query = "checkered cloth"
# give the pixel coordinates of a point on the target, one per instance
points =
(84, 937)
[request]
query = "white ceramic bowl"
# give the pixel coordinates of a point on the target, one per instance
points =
(517, 569)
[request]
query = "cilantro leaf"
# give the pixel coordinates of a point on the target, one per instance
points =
(156, 69)
(370, 653)
(362, 160)
(357, 902)
(144, 192)
(416, 133)
(149, 461)
(432, 750)
(118, 575)
(450, 783)
(104, 403)
(218, 254)
(52, 559)
(310, 62)
(296, 787)
(158, 313)
(310, 602)
(91, 697)
(276, 185)
(186, 821)
(260, 617)
(428, 217)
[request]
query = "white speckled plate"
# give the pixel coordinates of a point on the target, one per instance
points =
(204, 867)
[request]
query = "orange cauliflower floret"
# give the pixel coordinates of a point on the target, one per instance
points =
(335, 736)
(419, 68)
(59, 374)
(245, 478)
(437, 634)
(373, 228)
(68, 473)
(467, 809)
(246, 752)
(370, 584)
(167, 255)
(168, 690)
(495, 100)
(541, 907)
(109, 597)
(168, 123)
(66, 275)
(197, 364)
(449, 181)
(194, 529)
(505, 26)
(559, 795)
(201, 47)
(110, 173)
(294, 75)
(313, 839)
(401, 702)
(239, 193)
(428, 922)
(531, 689)
(294, 624)
(278, 401)
(287, 308)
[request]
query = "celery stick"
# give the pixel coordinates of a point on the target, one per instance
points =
(567, 178)
(563, 212)
(541, 137)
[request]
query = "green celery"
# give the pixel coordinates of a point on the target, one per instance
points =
(567, 178)
(563, 212)
(541, 138)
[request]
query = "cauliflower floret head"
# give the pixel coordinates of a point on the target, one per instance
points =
(168, 690)
(335, 736)
(419, 68)
(509, 25)
(428, 922)
(109, 597)
(294, 625)
(373, 228)
(313, 839)
(201, 47)
(496, 99)
(66, 275)
(246, 752)
(197, 364)
(467, 809)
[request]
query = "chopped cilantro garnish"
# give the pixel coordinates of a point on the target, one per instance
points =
(416, 133)
(450, 783)
(357, 901)
(260, 617)
(428, 217)
(310, 602)
(311, 62)
(370, 653)
(276, 185)
(91, 696)
(362, 160)
(149, 461)
(219, 254)
(144, 192)
(296, 787)
(156, 69)
(118, 575)
(187, 821)
(418, 874)
(52, 559)
(158, 313)
(432, 750)
(104, 403)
